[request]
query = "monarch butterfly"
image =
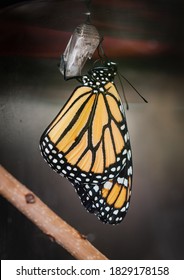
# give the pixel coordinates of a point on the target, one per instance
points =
(88, 143)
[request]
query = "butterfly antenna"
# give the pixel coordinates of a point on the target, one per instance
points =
(133, 88)
(126, 102)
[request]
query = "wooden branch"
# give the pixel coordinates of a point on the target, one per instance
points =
(45, 219)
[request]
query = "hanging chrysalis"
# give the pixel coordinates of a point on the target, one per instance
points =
(81, 46)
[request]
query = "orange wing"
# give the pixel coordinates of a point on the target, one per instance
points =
(86, 141)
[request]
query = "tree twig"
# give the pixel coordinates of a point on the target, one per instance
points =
(45, 219)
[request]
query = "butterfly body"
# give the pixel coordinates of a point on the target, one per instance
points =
(88, 142)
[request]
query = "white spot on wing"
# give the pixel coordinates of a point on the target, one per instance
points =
(123, 209)
(129, 154)
(120, 180)
(96, 188)
(124, 160)
(118, 168)
(50, 146)
(126, 183)
(78, 179)
(108, 185)
(130, 170)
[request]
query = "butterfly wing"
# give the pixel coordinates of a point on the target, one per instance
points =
(86, 141)
(110, 200)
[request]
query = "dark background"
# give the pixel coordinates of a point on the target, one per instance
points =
(145, 38)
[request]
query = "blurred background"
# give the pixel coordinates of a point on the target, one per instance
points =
(145, 38)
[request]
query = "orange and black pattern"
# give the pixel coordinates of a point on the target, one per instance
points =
(88, 142)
